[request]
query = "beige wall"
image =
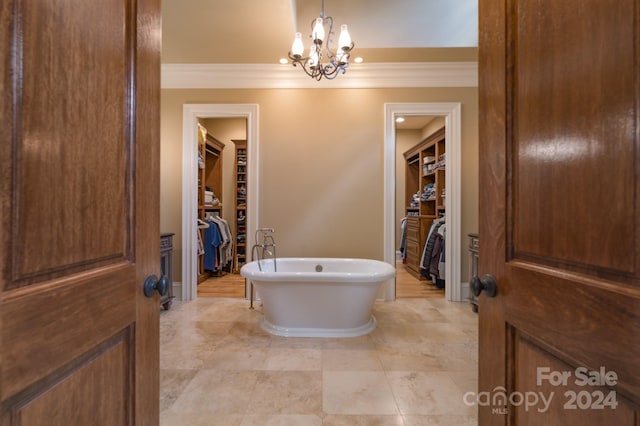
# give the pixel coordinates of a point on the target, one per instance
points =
(321, 164)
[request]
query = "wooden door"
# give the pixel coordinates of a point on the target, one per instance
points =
(559, 208)
(79, 183)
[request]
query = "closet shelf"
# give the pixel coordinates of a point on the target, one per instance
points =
(242, 187)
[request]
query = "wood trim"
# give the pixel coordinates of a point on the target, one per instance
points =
(453, 134)
(267, 76)
(190, 115)
(214, 143)
(146, 218)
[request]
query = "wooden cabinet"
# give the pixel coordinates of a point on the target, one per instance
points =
(425, 194)
(417, 228)
(425, 188)
(210, 176)
(241, 186)
(166, 266)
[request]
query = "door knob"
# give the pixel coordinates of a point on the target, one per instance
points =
(487, 284)
(152, 283)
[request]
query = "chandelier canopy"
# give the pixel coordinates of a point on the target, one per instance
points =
(320, 49)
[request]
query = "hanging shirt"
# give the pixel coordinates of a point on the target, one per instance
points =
(212, 239)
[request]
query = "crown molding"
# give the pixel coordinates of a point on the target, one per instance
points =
(358, 76)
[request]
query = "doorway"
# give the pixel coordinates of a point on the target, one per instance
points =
(420, 196)
(191, 114)
(452, 117)
(222, 208)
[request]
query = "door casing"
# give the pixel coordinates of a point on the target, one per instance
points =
(190, 115)
(454, 289)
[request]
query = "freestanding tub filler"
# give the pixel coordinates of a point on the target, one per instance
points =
(318, 297)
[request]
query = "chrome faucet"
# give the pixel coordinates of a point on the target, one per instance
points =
(259, 249)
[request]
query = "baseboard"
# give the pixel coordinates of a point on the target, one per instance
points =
(177, 291)
(465, 292)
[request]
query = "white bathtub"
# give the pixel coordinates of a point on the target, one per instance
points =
(318, 297)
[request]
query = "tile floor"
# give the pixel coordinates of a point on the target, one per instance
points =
(219, 368)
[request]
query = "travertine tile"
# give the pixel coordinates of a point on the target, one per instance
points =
(218, 367)
(427, 393)
(411, 358)
(447, 420)
(217, 392)
(172, 383)
(169, 418)
(362, 420)
(350, 359)
(300, 359)
(467, 381)
(239, 356)
(282, 420)
(357, 392)
(287, 392)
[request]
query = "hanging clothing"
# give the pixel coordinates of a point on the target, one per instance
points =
(403, 238)
(435, 240)
(442, 263)
(212, 239)
(428, 247)
(225, 248)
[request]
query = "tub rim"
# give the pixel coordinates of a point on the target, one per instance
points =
(384, 271)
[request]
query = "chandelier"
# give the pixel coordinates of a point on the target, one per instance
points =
(337, 61)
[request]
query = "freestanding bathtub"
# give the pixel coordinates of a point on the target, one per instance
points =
(318, 297)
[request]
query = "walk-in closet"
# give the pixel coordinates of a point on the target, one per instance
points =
(222, 206)
(420, 207)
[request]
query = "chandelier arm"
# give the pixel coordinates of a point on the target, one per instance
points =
(303, 62)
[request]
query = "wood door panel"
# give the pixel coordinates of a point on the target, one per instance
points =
(556, 393)
(79, 197)
(574, 116)
(39, 335)
(559, 100)
(580, 334)
(92, 391)
(71, 72)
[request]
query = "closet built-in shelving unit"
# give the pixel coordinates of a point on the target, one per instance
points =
(209, 186)
(241, 188)
(425, 194)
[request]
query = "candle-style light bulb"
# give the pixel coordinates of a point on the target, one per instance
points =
(318, 31)
(344, 41)
(297, 48)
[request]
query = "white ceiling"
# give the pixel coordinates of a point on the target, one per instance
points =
(260, 31)
(398, 23)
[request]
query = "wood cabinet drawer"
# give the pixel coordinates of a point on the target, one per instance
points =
(413, 251)
(413, 229)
